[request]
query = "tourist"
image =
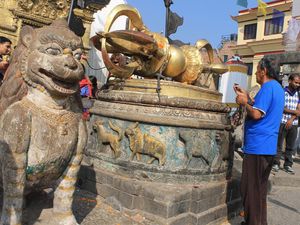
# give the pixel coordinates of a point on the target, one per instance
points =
(260, 141)
(5, 49)
(94, 83)
(86, 93)
(289, 125)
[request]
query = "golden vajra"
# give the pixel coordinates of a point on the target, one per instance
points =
(149, 53)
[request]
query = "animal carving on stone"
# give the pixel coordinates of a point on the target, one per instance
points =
(42, 136)
(106, 137)
(141, 143)
(224, 140)
(200, 145)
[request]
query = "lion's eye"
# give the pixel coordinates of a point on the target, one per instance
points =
(53, 51)
(77, 55)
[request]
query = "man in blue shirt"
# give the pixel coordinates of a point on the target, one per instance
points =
(260, 141)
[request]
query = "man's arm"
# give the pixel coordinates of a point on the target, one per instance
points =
(295, 114)
(253, 113)
(243, 99)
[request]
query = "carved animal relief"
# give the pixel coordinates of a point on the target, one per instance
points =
(211, 149)
(106, 137)
(141, 143)
(42, 136)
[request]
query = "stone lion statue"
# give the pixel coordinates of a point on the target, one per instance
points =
(42, 135)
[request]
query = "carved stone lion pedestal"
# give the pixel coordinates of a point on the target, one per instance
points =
(164, 155)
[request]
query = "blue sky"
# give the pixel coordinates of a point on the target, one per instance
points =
(203, 19)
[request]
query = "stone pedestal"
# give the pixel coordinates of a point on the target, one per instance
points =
(165, 203)
(167, 155)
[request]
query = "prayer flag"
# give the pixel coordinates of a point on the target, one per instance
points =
(262, 7)
(277, 18)
(276, 14)
(174, 22)
(243, 3)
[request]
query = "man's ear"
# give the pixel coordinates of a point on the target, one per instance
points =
(264, 72)
(26, 35)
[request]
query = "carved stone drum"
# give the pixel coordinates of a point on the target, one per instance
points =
(162, 151)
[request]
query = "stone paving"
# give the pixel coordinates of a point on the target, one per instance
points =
(89, 209)
(283, 207)
(283, 199)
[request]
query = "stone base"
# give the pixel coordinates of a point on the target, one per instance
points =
(203, 203)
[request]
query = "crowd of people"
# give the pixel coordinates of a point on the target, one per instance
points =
(272, 117)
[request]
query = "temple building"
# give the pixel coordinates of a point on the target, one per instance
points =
(16, 14)
(260, 35)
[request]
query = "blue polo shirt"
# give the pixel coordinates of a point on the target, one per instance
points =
(261, 135)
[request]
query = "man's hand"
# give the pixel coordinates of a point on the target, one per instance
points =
(297, 111)
(289, 124)
(242, 95)
(84, 57)
(4, 65)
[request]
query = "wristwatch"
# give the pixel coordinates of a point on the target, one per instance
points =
(250, 102)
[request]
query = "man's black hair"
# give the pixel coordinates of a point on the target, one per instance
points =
(4, 39)
(270, 66)
(293, 76)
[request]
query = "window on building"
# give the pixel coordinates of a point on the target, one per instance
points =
(225, 58)
(250, 31)
(250, 68)
(274, 25)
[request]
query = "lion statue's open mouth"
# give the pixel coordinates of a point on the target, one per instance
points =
(63, 86)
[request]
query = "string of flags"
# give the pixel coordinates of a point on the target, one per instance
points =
(262, 8)
(277, 14)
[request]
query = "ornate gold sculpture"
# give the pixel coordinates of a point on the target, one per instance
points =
(14, 14)
(149, 52)
(45, 8)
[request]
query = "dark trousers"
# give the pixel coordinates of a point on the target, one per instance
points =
(290, 136)
(254, 187)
